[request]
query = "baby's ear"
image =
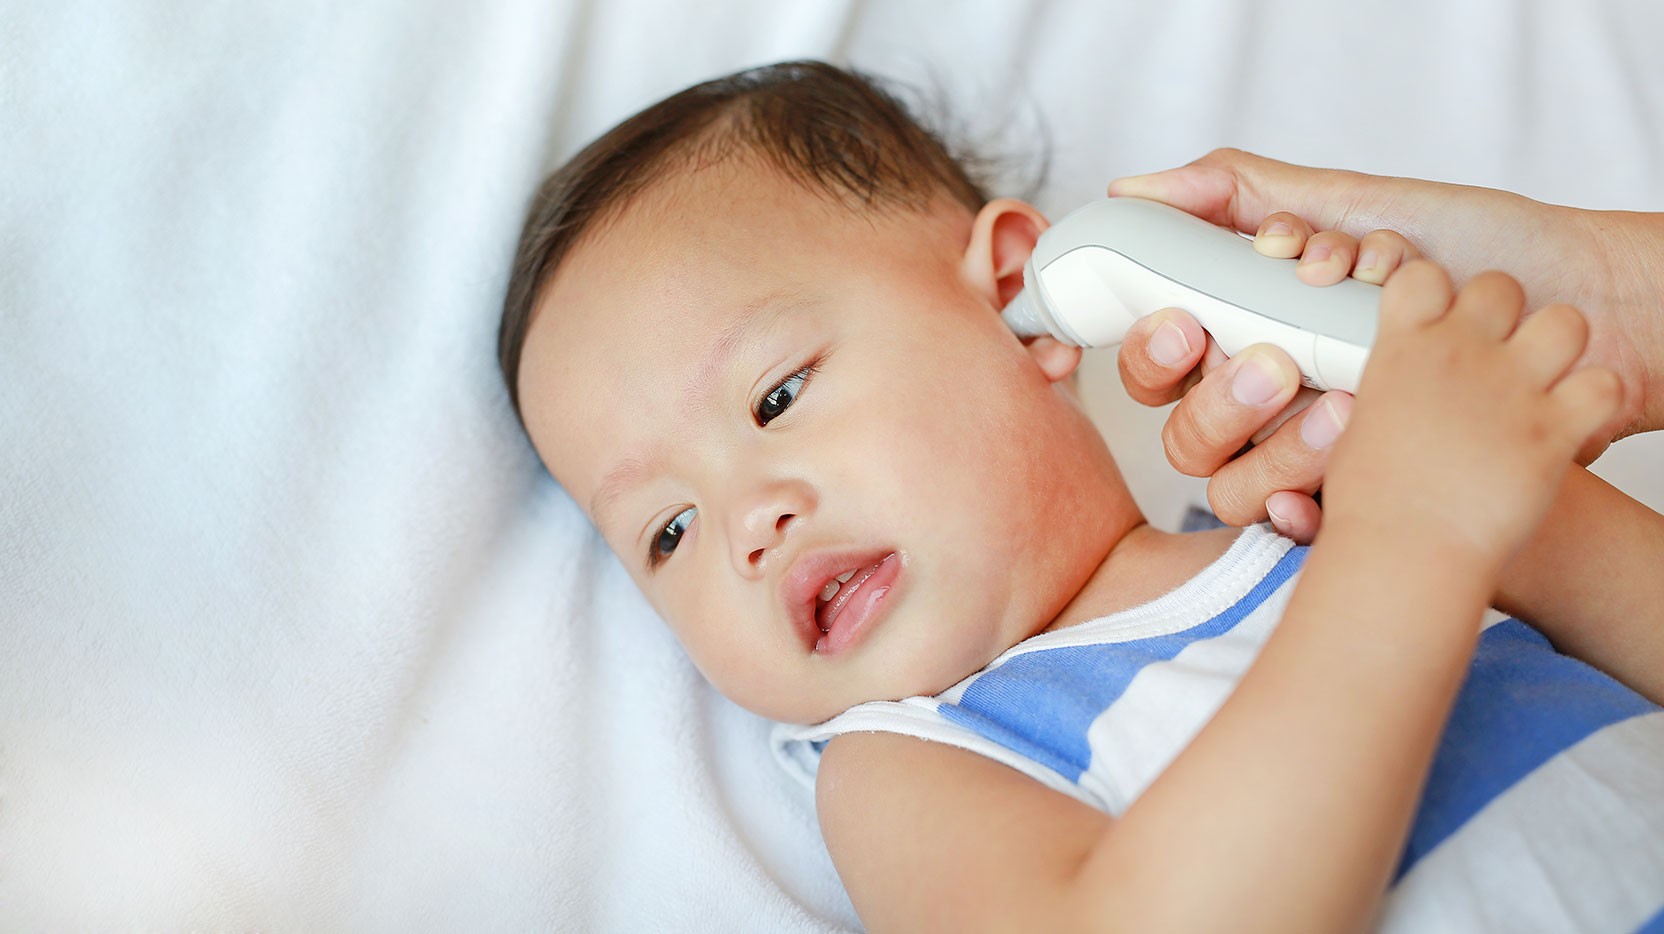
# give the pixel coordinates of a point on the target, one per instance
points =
(1002, 237)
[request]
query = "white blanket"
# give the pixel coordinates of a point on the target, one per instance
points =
(294, 632)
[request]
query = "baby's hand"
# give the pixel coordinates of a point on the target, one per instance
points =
(1467, 417)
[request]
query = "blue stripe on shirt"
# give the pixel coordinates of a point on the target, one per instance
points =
(1523, 703)
(1057, 693)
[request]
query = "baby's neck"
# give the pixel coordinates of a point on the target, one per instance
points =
(1145, 564)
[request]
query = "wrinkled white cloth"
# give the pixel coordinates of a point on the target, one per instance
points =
(294, 631)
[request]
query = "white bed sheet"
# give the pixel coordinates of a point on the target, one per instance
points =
(295, 633)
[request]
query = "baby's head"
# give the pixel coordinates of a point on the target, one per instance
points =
(754, 332)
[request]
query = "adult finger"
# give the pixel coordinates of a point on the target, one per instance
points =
(1159, 356)
(1380, 253)
(1327, 258)
(1294, 514)
(1216, 418)
(1295, 457)
(1282, 236)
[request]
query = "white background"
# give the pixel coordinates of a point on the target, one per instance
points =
(294, 632)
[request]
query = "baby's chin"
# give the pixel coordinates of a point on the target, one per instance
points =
(916, 684)
(806, 711)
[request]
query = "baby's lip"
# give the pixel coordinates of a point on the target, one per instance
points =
(807, 577)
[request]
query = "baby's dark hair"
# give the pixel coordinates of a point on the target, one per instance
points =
(834, 130)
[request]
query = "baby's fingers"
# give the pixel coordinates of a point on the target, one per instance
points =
(1585, 401)
(1489, 305)
(1548, 342)
(1418, 295)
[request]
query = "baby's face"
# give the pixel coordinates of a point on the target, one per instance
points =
(809, 437)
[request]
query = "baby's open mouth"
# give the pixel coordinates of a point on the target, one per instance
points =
(833, 597)
(837, 593)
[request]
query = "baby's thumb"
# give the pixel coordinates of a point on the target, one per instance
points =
(1591, 403)
(1238, 189)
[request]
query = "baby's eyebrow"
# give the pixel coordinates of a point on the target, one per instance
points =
(619, 479)
(752, 320)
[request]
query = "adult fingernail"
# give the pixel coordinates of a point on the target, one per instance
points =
(1257, 380)
(1168, 344)
(1315, 255)
(1322, 425)
(1277, 239)
(1280, 522)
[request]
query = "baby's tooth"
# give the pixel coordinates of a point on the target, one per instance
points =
(845, 576)
(831, 588)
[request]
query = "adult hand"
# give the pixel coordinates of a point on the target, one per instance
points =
(1608, 264)
(1255, 396)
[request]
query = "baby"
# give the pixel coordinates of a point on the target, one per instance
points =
(868, 510)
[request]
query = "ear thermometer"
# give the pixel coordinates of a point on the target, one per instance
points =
(1104, 266)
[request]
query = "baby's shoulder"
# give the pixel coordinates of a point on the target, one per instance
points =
(856, 763)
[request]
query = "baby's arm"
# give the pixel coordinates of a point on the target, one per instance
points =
(1588, 579)
(1290, 808)
(931, 837)
(1592, 580)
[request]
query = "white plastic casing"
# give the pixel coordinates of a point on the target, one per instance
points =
(1112, 262)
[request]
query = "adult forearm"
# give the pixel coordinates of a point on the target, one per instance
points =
(1290, 809)
(1592, 581)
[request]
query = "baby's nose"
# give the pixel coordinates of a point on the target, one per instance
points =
(763, 522)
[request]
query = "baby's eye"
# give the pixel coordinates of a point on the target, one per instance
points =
(670, 535)
(781, 397)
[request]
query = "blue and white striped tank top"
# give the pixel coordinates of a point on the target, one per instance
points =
(1544, 807)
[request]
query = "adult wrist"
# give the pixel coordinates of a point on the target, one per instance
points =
(1626, 259)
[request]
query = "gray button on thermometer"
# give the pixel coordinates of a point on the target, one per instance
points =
(1106, 265)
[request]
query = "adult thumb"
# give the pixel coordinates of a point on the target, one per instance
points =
(1238, 189)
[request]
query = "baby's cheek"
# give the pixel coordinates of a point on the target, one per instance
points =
(689, 605)
(746, 675)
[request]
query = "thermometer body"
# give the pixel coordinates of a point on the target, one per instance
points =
(1104, 266)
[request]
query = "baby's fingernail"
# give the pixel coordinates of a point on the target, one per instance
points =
(1277, 229)
(1322, 425)
(1257, 380)
(1168, 345)
(1369, 266)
